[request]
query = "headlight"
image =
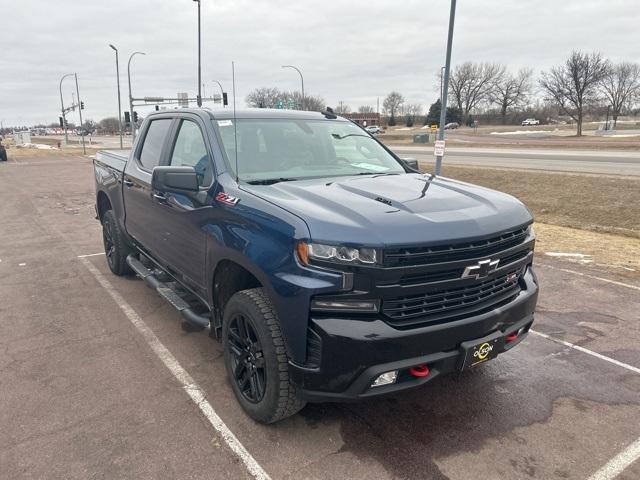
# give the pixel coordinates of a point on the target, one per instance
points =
(337, 254)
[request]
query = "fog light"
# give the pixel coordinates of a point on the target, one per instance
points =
(385, 379)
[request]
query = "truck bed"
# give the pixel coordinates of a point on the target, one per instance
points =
(114, 159)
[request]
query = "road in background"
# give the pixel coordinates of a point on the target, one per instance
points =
(562, 160)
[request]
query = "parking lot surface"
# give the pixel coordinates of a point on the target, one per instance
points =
(87, 391)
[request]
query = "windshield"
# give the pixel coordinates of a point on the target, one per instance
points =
(271, 150)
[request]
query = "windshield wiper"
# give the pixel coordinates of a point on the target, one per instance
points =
(271, 181)
(340, 137)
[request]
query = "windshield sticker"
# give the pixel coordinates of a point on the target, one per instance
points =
(370, 166)
(224, 123)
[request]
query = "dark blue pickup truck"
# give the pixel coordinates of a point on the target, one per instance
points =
(330, 269)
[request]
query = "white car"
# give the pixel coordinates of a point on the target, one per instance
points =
(530, 121)
(373, 129)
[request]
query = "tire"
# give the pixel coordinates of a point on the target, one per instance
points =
(116, 248)
(265, 364)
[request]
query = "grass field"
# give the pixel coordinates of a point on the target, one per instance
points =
(598, 216)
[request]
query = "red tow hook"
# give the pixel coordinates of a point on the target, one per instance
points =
(419, 371)
(511, 337)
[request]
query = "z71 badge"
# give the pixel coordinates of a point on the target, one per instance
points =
(227, 199)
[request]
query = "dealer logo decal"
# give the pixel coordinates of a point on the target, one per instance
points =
(227, 199)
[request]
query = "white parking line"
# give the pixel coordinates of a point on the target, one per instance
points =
(588, 352)
(606, 280)
(188, 383)
(617, 464)
(91, 255)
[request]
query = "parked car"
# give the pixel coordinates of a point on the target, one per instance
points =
(3, 153)
(374, 129)
(330, 270)
(451, 126)
(530, 121)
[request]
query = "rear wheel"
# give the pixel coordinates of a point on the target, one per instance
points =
(115, 245)
(256, 359)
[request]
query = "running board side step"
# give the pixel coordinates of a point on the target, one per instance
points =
(169, 294)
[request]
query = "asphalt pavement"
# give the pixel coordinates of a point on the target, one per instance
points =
(99, 378)
(581, 161)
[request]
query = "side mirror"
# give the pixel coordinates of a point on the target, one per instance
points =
(411, 163)
(174, 179)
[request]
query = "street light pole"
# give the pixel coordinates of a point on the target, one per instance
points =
(441, 81)
(221, 92)
(199, 99)
(64, 116)
(301, 80)
(445, 87)
(84, 150)
(119, 105)
(133, 126)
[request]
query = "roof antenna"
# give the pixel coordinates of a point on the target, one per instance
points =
(235, 126)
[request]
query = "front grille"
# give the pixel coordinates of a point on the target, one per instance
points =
(444, 304)
(413, 256)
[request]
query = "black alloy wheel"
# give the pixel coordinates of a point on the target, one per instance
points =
(109, 245)
(247, 359)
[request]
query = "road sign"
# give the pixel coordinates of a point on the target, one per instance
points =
(280, 104)
(438, 148)
(434, 128)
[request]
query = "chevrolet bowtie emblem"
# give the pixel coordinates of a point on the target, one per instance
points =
(480, 269)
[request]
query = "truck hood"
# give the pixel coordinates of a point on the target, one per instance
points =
(409, 209)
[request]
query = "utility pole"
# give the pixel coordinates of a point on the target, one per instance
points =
(84, 150)
(119, 104)
(64, 115)
(199, 99)
(445, 87)
(133, 124)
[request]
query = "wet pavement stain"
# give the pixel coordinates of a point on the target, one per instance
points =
(456, 414)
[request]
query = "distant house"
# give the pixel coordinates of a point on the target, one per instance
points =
(361, 118)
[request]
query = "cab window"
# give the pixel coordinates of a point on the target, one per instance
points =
(190, 150)
(153, 142)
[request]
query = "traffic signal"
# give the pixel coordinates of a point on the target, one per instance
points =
(61, 122)
(225, 102)
(157, 108)
(135, 117)
(127, 117)
(81, 105)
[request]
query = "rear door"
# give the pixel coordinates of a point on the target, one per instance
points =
(143, 219)
(182, 240)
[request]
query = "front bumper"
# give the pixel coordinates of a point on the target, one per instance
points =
(354, 351)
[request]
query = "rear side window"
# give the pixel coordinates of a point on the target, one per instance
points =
(191, 151)
(153, 142)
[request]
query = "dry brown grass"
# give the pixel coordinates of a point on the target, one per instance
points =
(612, 252)
(587, 202)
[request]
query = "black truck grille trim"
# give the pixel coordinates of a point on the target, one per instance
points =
(436, 305)
(411, 256)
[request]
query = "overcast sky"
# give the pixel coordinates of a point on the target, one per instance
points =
(352, 51)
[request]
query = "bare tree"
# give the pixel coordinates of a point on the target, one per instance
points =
(621, 86)
(270, 98)
(573, 84)
(343, 108)
(109, 125)
(510, 91)
(264, 97)
(411, 111)
(366, 109)
(392, 105)
(473, 83)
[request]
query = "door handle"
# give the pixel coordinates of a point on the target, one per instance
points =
(128, 183)
(160, 196)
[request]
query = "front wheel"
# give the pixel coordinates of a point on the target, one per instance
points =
(256, 359)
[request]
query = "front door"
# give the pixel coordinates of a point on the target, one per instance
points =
(182, 240)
